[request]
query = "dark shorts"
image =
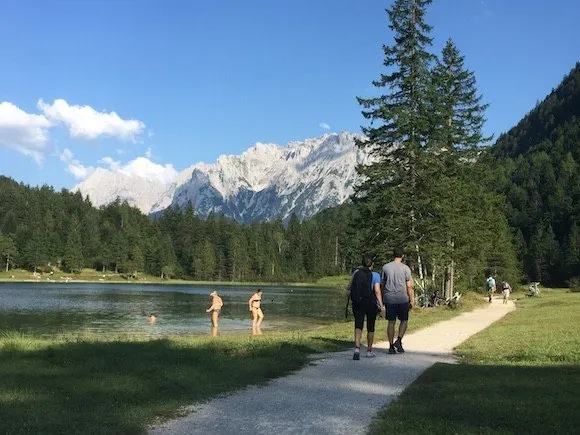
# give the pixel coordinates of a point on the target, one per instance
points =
(369, 310)
(400, 311)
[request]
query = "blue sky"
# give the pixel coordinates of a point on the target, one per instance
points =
(191, 80)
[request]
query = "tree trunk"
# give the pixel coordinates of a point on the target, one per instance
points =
(336, 253)
(451, 278)
(7, 261)
(420, 267)
(446, 283)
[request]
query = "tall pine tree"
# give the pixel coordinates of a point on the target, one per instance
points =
(389, 196)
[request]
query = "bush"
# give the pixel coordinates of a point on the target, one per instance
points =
(575, 284)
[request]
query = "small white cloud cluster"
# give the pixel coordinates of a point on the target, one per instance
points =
(28, 133)
(84, 122)
(75, 167)
(25, 132)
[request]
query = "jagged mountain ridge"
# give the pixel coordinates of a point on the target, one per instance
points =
(265, 182)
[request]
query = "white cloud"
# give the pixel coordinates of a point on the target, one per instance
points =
(66, 156)
(324, 126)
(84, 122)
(149, 153)
(145, 168)
(141, 167)
(112, 164)
(25, 132)
(79, 170)
(75, 167)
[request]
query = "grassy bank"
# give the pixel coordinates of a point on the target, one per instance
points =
(91, 275)
(521, 375)
(108, 385)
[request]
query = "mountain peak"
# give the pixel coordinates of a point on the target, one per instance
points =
(264, 182)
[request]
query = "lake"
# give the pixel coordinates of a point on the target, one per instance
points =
(46, 309)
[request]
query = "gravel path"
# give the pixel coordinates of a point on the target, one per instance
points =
(334, 394)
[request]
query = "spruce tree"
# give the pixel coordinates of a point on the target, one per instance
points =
(458, 109)
(457, 116)
(8, 251)
(389, 197)
(73, 253)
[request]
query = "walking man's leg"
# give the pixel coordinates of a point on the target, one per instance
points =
(403, 315)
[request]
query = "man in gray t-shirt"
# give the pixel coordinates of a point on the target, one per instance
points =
(398, 297)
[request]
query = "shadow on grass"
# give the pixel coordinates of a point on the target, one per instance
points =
(120, 387)
(477, 399)
(333, 344)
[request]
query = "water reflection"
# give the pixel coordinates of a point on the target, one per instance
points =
(47, 309)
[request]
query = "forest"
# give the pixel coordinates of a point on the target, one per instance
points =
(41, 229)
(537, 169)
(461, 206)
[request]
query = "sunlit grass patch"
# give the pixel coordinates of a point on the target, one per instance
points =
(521, 375)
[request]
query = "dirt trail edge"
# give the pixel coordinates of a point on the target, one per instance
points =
(334, 395)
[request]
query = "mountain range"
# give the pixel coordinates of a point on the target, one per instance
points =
(265, 182)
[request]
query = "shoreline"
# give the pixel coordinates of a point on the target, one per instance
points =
(336, 282)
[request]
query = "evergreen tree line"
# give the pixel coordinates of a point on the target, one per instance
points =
(41, 229)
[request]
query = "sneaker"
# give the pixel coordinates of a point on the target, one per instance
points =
(392, 350)
(370, 354)
(399, 346)
(356, 356)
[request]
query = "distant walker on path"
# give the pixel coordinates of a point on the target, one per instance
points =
(490, 287)
(398, 296)
(506, 289)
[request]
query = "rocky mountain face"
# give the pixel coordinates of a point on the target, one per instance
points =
(265, 182)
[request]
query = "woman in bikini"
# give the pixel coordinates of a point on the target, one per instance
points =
(254, 305)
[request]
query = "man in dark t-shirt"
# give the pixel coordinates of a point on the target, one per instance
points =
(398, 296)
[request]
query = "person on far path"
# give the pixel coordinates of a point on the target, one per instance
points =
(365, 294)
(255, 303)
(215, 309)
(490, 287)
(398, 296)
(506, 289)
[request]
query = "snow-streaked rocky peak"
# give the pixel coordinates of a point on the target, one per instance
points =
(265, 182)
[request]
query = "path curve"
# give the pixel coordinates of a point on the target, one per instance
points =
(334, 395)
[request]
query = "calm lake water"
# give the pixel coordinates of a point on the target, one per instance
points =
(52, 308)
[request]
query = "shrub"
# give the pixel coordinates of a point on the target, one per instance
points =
(575, 284)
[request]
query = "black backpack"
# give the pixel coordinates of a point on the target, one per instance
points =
(361, 286)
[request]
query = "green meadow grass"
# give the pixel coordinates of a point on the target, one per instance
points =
(116, 384)
(521, 375)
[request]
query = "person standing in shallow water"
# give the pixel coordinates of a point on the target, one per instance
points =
(255, 304)
(398, 296)
(215, 309)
